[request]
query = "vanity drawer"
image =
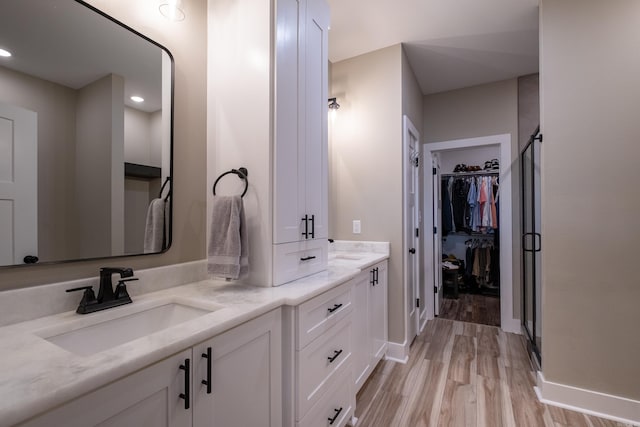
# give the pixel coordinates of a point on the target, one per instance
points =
(335, 407)
(324, 358)
(292, 261)
(319, 314)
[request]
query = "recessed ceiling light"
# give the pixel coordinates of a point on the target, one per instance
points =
(137, 99)
(4, 53)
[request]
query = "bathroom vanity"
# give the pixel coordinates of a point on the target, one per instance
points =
(217, 353)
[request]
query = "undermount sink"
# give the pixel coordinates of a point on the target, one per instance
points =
(107, 334)
(349, 257)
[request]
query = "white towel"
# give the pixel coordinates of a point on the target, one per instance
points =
(154, 232)
(227, 252)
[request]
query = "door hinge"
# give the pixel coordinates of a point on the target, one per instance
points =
(416, 162)
(418, 302)
(435, 230)
(417, 232)
(435, 289)
(434, 171)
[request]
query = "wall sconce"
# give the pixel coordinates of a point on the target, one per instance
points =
(173, 10)
(333, 104)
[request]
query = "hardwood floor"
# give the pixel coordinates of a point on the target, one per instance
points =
(472, 308)
(461, 374)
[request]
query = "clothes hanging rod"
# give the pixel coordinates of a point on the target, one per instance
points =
(479, 173)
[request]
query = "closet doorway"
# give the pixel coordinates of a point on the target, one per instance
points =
(471, 278)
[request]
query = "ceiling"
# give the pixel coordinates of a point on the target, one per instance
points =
(450, 44)
(65, 42)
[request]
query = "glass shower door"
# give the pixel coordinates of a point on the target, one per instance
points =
(531, 244)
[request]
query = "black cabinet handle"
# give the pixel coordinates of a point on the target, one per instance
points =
(376, 275)
(313, 226)
(334, 308)
(336, 353)
(187, 374)
(335, 417)
(307, 258)
(306, 226)
(207, 382)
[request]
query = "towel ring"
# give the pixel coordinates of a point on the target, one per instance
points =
(242, 174)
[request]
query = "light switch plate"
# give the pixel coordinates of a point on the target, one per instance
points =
(356, 226)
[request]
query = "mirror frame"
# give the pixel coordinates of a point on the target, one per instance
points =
(171, 143)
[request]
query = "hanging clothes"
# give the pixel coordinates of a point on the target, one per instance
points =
(469, 204)
(447, 214)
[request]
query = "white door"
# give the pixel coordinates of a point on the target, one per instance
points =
(18, 184)
(411, 176)
(437, 241)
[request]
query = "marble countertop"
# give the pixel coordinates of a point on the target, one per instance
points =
(37, 375)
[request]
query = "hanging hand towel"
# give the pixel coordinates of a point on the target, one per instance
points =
(154, 232)
(227, 252)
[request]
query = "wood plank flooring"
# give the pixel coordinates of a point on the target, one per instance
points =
(461, 374)
(472, 308)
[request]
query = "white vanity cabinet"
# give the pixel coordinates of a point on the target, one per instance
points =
(150, 397)
(369, 333)
(324, 394)
(300, 191)
(246, 386)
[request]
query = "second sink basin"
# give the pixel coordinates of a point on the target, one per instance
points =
(107, 334)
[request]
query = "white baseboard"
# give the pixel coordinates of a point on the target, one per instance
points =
(511, 325)
(590, 402)
(397, 352)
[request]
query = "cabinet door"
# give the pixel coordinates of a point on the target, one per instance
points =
(288, 184)
(361, 341)
(378, 313)
(313, 57)
(246, 376)
(148, 398)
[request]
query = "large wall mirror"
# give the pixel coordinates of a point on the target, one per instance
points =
(82, 164)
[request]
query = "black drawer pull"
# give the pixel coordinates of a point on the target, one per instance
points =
(376, 275)
(334, 308)
(313, 226)
(187, 374)
(307, 258)
(207, 382)
(336, 353)
(335, 417)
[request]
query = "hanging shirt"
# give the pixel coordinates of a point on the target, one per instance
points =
(494, 211)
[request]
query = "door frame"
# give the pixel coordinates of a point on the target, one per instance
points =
(507, 321)
(409, 129)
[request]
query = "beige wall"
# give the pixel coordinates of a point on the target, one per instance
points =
(55, 105)
(482, 110)
(186, 41)
(528, 107)
(365, 158)
(589, 113)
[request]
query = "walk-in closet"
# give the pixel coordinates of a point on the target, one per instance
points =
(467, 232)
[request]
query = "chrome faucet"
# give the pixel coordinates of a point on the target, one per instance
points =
(107, 297)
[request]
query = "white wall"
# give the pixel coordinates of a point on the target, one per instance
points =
(590, 92)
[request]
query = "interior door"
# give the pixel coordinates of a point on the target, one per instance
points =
(18, 184)
(437, 237)
(411, 171)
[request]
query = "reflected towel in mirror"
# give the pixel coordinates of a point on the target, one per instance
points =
(227, 251)
(155, 230)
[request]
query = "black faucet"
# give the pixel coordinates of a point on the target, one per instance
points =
(107, 297)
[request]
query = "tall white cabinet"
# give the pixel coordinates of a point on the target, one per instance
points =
(300, 209)
(268, 92)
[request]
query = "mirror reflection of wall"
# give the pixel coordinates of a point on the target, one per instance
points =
(75, 71)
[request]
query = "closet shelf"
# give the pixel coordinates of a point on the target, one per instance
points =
(477, 173)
